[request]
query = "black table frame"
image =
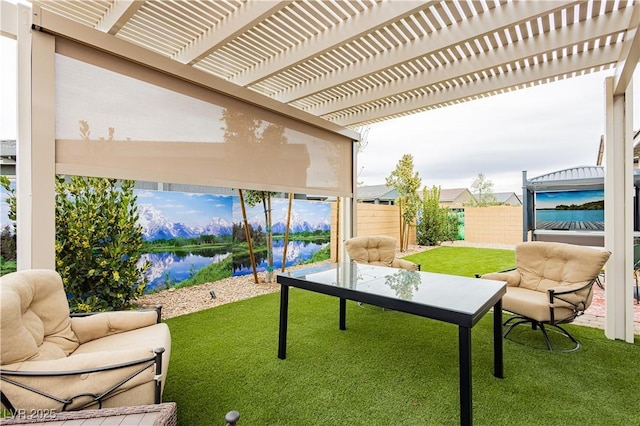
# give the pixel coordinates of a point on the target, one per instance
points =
(464, 322)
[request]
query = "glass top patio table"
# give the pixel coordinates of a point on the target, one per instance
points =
(462, 301)
(449, 298)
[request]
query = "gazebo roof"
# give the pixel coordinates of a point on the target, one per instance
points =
(580, 177)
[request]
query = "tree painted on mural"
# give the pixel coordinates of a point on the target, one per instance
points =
(406, 181)
(254, 198)
(243, 128)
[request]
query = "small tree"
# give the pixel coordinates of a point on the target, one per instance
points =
(406, 182)
(482, 189)
(361, 145)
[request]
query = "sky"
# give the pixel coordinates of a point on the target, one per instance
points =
(539, 130)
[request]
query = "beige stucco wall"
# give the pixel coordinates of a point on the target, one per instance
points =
(495, 224)
(372, 219)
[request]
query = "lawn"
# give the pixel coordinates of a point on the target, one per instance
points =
(386, 368)
(464, 261)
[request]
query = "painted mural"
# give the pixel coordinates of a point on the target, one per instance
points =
(201, 237)
(185, 233)
(570, 210)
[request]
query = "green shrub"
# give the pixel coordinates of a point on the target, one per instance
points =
(452, 226)
(98, 243)
(435, 223)
(8, 233)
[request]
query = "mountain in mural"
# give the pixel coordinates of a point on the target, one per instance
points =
(298, 225)
(217, 226)
(156, 226)
(324, 225)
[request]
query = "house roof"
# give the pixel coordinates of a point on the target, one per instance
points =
(503, 197)
(353, 63)
(452, 194)
(377, 192)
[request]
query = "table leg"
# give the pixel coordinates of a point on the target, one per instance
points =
(464, 349)
(498, 353)
(343, 314)
(284, 313)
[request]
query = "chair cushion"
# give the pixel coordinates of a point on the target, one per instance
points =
(545, 265)
(103, 324)
(86, 384)
(35, 319)
(152, 336)
(377, 249)
(534, 305)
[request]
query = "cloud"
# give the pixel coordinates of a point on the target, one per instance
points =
(539, 130)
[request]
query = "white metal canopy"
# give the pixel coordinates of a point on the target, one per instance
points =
(362, 61)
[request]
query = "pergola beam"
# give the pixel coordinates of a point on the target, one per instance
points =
(119, 13)
(515, 52)
(235, 25)
(371, 19)
(507, 15)
(526, 76)
(629, 56)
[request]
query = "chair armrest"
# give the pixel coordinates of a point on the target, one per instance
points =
(510, 276)
(570, 288)
(157, 309)
(91, 327)
(572, 296)
(78, 381)
(404, 264)
(81, 363)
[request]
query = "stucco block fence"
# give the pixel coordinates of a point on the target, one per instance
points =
(490, 225)
(495, 224)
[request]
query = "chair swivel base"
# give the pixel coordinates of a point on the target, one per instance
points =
(520, 320)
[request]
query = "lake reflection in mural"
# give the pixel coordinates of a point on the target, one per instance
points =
(168, 269)
(297, 252)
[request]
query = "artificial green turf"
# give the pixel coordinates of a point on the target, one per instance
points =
(387, 368)
(464, 261)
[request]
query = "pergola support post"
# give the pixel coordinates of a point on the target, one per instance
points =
(619, 212)
(35, 171)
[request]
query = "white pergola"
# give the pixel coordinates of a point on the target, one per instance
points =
(338, 65)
